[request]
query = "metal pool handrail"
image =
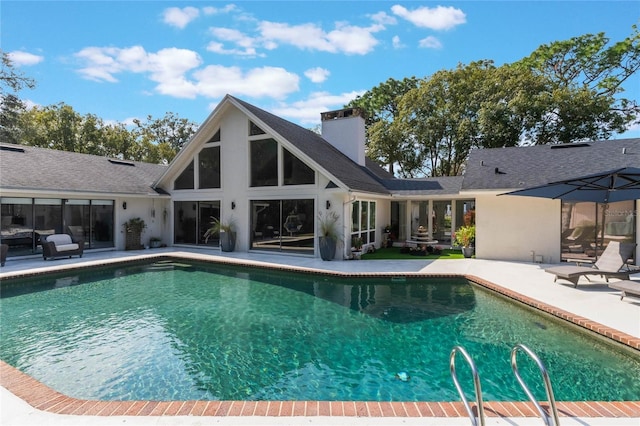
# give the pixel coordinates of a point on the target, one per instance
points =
(476, 383)
(547, 384)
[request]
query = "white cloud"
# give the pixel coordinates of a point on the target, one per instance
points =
(438, 18)
(19, 58)
(167, 67)
(210, 10)
(430, 42)
(273, 82)
(246, 42)
(397, 44)
(180, 18)
(176, 73)
(348, 39)
(308, 111)
(317, 75)
(383, 19)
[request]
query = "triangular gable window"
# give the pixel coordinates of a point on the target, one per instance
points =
(185, 180)
(255, 130)
(295, 172)
(215, 137)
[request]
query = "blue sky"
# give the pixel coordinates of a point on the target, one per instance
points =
(123, 60)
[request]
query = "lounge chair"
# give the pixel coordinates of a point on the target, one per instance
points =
(612, 263)
(627, 287)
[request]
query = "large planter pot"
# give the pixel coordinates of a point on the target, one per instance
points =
(327, 248)
(132, 240)
(227, 241)
(467, 251)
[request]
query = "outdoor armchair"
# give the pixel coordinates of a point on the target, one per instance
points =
(59, 245)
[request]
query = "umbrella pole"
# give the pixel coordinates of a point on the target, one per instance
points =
(605, 207)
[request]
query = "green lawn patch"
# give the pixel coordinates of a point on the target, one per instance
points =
(394, 254)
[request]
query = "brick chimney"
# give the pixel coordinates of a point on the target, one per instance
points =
(345, 130)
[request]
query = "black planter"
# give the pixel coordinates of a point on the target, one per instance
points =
(327, 248)
(227, 241)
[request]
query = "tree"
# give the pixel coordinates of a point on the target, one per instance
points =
(169, 131)
(11, 82)
(587, 78)
(380, 104)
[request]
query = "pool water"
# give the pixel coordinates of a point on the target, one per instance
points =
(175, 331)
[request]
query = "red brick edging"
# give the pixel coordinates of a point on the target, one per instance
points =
(46, 399)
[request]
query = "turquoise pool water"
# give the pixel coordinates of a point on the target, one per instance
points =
(173, 331)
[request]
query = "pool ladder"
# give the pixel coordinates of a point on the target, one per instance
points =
(478, 420)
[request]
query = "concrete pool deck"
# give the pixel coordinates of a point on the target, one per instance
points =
(592, 305)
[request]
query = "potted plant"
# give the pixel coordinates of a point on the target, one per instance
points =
(155, 242)
(226, 231)
(465, 237)
(329, 234)
(133, 229)
(356, 247)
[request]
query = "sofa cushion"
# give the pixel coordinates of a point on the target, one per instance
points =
(59, 239)
(67, 247)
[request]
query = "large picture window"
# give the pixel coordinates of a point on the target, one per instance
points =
(587, 228)
(264, 162)
(283, 225)
(26, 221)
(192, 221)
(363, 221)
(209, 167)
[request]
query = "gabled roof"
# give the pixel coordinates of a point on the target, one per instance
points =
(41, 169)
(523, 167)
(353, 176)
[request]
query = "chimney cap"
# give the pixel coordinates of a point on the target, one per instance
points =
(342, 113)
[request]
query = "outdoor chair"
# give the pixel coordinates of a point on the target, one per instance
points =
(4, 249)
(612, 263)
(627, 288)
(59, 245)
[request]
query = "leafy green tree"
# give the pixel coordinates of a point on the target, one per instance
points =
(11, 106)
(169, 131)
(380, 106)
(587, 75)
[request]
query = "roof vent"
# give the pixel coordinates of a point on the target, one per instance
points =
(570, 145)
(121, 163)
(11, 148)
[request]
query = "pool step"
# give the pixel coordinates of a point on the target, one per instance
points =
(167, 265)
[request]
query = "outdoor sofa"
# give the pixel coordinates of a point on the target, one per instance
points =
(612, 263)
(61, 245)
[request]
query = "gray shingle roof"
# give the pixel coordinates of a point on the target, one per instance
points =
(523, 167)
(318, 149)
(444, 185)
(32, 168)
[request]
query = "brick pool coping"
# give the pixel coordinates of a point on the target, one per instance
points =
(42, 397)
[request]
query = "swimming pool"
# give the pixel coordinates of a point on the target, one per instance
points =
(179, 331)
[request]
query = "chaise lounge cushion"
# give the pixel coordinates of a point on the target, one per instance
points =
(611, 264)
(627, 288)
(61, 245)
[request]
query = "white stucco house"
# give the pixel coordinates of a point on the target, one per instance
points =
(273, 179)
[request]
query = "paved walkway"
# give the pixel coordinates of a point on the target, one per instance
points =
(592, 301)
